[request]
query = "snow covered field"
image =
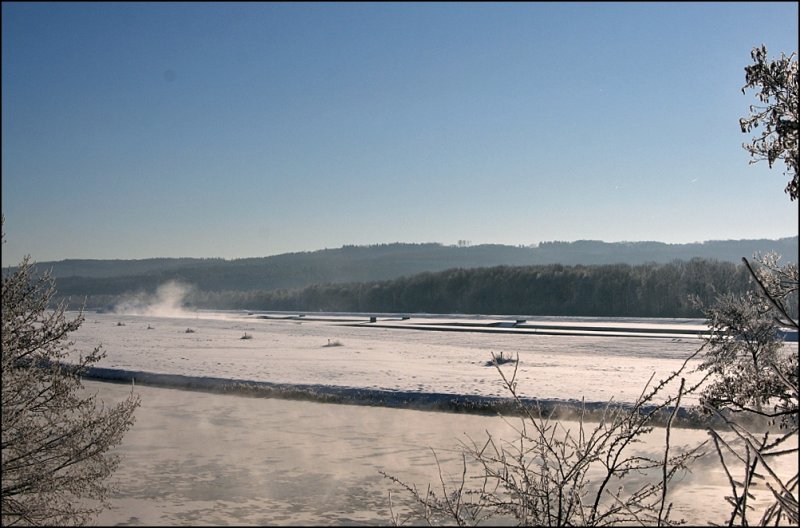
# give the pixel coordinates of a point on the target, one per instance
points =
(394, 355)
(202, 458)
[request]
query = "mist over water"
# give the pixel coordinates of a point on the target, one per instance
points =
(210, 459)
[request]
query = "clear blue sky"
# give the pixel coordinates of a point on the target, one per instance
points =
(238, 130)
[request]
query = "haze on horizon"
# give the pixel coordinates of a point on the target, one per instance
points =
(133, 130)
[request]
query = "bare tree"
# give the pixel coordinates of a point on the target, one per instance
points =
(551, 475)
(753, 372)
(55, 439)
(777, 84)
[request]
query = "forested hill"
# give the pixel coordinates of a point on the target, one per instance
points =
(379, 262)
(610, 290)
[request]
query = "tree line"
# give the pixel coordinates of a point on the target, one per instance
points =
(614, 290)
(648, 290)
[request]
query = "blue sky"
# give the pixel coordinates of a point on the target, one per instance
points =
(239, 130)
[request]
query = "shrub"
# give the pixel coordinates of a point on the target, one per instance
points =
(542, 477)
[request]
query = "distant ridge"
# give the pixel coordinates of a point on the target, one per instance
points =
(380, 262)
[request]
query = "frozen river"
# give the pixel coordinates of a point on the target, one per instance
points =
(195, 458)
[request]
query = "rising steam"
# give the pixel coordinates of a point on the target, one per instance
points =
(167, 301)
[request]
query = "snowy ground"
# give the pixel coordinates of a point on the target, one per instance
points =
(393, 355)
(196, 458)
